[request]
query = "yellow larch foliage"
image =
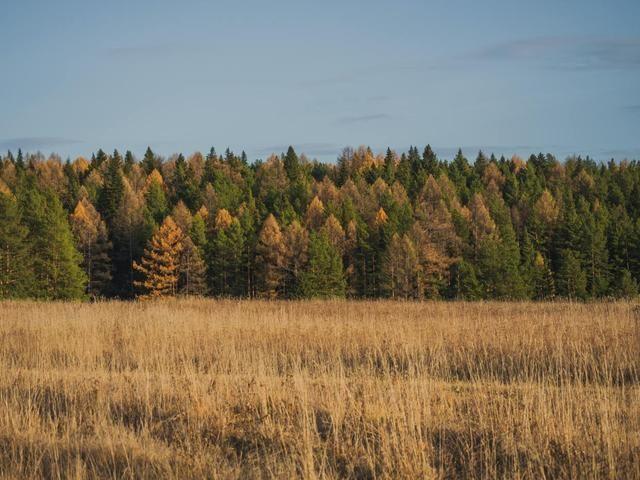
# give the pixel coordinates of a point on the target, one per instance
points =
(334, 232)
(160, 263)
(154, 176)
(203, 212)
(314, 217)
(85, 223)
(80, 165)
(223, 219)
(4, 189)
(381, 217)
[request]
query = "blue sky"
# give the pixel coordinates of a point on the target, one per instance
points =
(505, 76)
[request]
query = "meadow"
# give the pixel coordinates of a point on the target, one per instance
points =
(319, 389)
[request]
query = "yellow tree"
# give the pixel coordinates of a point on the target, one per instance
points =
(270, 258)
(90, 233)
(335, 233)
(315, 214)
(160, 264)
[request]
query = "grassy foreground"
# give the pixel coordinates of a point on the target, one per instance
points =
(239, 389)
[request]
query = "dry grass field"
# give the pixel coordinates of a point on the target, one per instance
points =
(236, 389)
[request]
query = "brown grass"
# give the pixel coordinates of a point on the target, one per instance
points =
(226, 389)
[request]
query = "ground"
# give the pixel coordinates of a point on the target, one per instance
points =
(336, 389)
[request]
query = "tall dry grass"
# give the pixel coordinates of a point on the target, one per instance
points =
(226, 389)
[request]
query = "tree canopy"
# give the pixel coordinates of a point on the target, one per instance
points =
(387, 225)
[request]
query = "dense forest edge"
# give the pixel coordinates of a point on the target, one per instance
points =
(406, 226)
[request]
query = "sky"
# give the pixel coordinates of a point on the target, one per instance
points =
(509, 77)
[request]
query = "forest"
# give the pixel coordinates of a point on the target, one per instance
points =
(392, 225)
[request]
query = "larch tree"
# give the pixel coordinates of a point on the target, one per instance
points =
(270, 259)
(90, 233)
(334, 233)
(129, 235)
(296, 240)
(192, 269)
(314, 218)
(160, 263)
(402, 269)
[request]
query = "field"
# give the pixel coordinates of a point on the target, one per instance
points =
(238, 389)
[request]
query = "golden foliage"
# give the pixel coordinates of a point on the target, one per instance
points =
(270, 258)
(229, 389)
(182, 216)
(160, 263)
(334, 232)
(154, 177)
(381, 217)
(223, 219)
(314, 217)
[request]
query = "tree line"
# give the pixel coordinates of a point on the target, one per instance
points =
(407, 225)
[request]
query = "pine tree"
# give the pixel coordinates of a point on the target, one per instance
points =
(389, 167)
(324, 275)
(129, 162)
(464, 282)
(149, 162)
(161, 262)
(292, 164)
(91, 237)
(572, 279)
(183, 184)
(56, 262)
(626, 287)
(16, 263)
(112, 190)
(225, 256)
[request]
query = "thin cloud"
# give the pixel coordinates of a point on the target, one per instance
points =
(571, 53)
(363, 118)
(632, 108)
(36, 143)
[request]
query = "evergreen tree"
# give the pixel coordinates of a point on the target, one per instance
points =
(112, 190)
(16, 263)
(56, 261)
(149, 162)
(183, 184)
(626, 286)
(464, 282)
(572, 279)
(292, 164)
(324, 275)
(225, 256)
